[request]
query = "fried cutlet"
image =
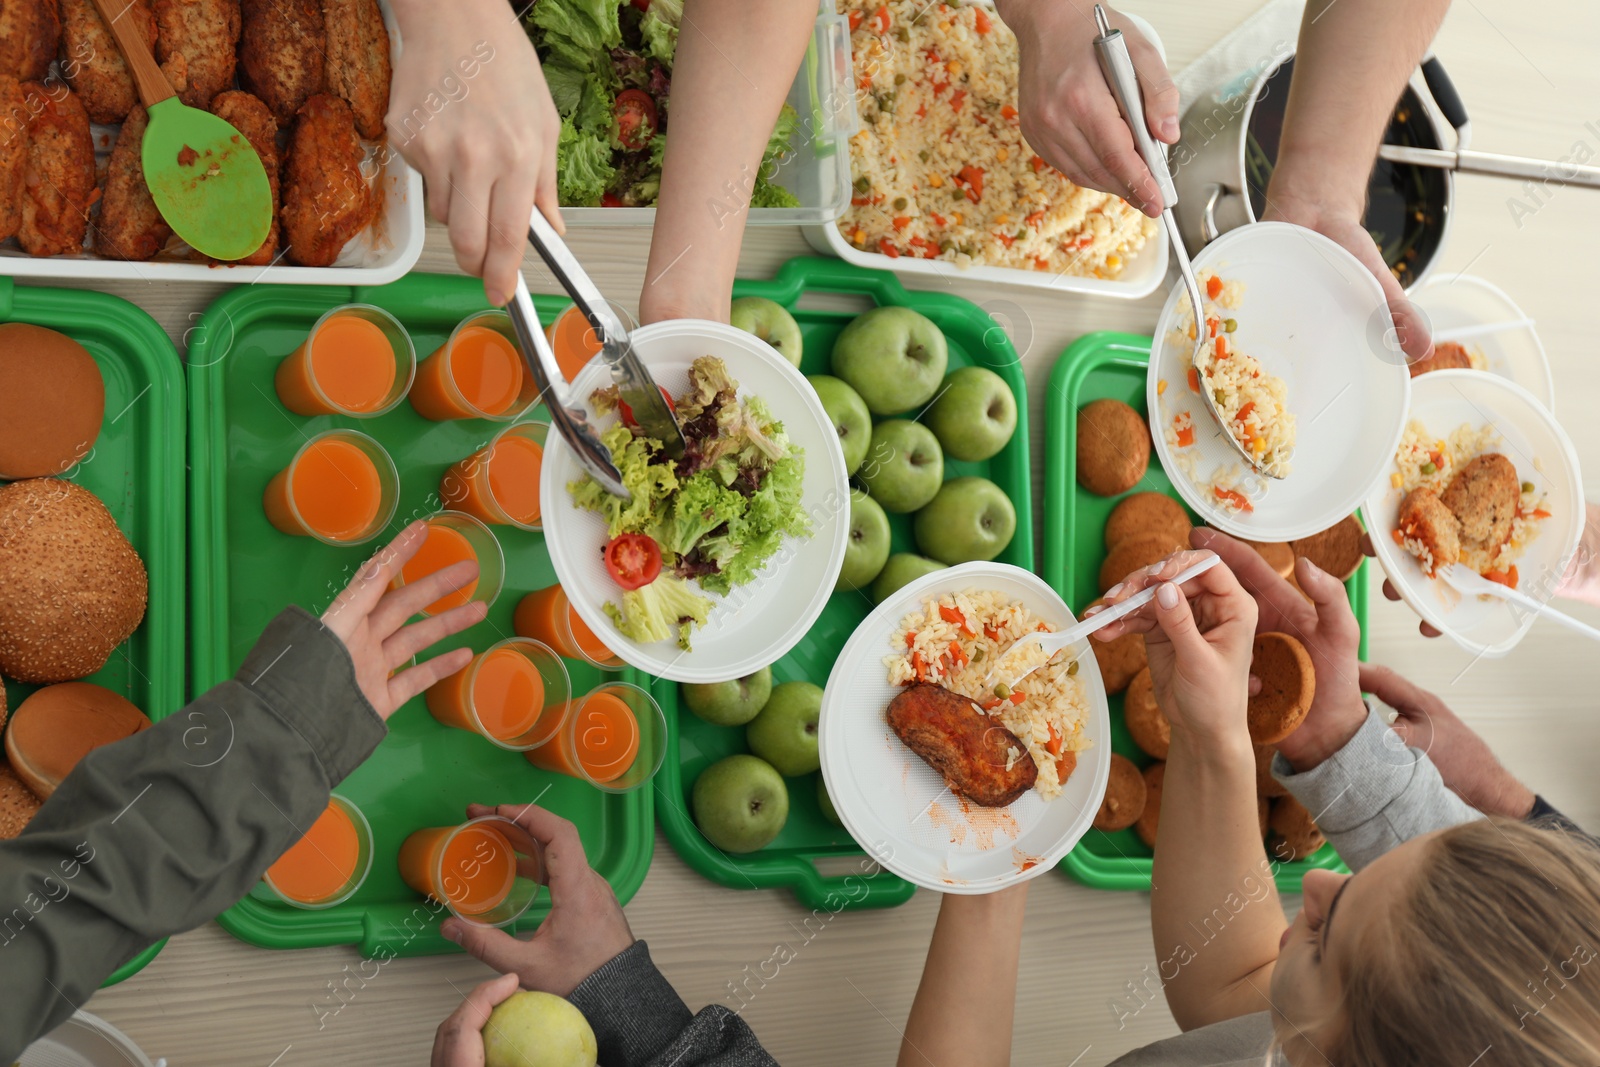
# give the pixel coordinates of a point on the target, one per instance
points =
(326, 198)
(197, 44)
(13, 154)
(970, 749)
(92, 62)
(1428, 530)
(59, 183)
(130, 225)
(282, 49)
(358, 60)
(1447, 355)
(250, 117)
(1483, 496)
(30, 33)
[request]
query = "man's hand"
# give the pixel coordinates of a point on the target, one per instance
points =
(371, 621)
(585, 927)
(1465, 762)
(459, 1040)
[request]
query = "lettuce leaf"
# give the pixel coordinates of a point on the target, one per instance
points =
(566, 86)
(771, 513)
(579, 30)
(649, 483)
(768, 194)
(660, 29)
(702, 504)
(650, 613)
(583, 165)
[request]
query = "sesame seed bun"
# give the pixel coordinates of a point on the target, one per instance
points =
(60, 724)
(52, 399)
(18, 805)
(71, 586)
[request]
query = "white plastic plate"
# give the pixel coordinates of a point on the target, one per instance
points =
(757, 622)
(85, 1040)
(1542, 453)
(899, 808)
(1314, 316)
(1457, 300)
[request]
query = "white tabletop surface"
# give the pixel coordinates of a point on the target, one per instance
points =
(1529, 80)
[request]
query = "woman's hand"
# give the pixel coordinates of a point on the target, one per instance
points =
(1066, 109)
(459, 1040)
(584, 929)
(1198, 637)
(468, 107)
(371, 621)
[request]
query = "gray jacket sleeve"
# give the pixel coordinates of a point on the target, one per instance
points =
(156, 834)
(640, 1021)
(1374, 793)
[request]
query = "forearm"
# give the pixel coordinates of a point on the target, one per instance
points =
(968, 994)
(158, 833)
(1214, 909)
(1352, 62)
(734, 65)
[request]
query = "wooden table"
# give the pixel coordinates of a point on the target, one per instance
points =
(1528, 78)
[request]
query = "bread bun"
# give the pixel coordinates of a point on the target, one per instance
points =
(52, 399)
(71, 586)
(60, 724)
(18, 805)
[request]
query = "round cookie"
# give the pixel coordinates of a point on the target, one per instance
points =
(71, 586)
(1125, 796)
(1119, 660)
(1113, 447)
(1336, 550)
(1135, 554)
(1146, 825)
(1266, 785)
(1278, 554)
(1147, 513)
(60, 724)
(52, 399)
(1288, 684)
(1291, 833)
(18, 805)
(1147, 723)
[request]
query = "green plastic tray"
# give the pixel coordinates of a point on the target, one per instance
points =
(243, 572)
(136, 467)
(1114, 365)
(819, 861)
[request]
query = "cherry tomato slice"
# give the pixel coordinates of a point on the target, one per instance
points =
(636, 118)
(634, 560)
(641, 5)
(627, 412)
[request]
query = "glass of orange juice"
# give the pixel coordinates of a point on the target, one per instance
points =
(454, 536)
(499, 483)
(513, 693)
(357, 360)
(487, 870)
(575, 342)
(341, 487)
(329, 863)
(547, 615)
(477, 374)
(613, 737)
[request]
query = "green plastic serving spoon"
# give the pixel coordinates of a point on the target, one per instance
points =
(206, 179)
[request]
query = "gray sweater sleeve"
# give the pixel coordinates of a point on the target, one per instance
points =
(640, 1021)
(1374, 793)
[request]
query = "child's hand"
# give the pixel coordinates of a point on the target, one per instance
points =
(371, 621)
(584, 929)
(459, 1040)
(1198, 637)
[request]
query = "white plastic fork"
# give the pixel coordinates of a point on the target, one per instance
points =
(1055, 642)
(1465, 580)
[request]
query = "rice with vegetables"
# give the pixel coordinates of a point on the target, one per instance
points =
(956, 638)
(941, 169)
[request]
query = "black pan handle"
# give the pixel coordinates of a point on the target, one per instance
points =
(1444, 92)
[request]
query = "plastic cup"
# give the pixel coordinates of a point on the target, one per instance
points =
(614, 738)
(575, 342)
(478, 373)
(514, 694)
(357, 360)
(454, 536)
(341, 487)
(499, 483)
(547, 615)
(486, 871)
(329, 863)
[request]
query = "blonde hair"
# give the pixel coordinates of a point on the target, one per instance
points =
(1489, 958)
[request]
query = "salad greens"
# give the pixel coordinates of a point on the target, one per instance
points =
(718, 513)
(609, 150)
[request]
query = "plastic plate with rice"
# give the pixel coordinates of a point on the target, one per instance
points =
(897, 806)
(1461, 301)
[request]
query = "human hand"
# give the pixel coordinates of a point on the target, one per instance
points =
(584, 929)
(1198, 639)
(459, 1040)
(371, 621)
(1465, 761)
(488, 151)
(1067, 112)
(1325, 626)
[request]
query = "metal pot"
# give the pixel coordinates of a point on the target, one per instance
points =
(1229, 139)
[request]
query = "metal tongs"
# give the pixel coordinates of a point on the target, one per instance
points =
(633, 380)
(1117, 65)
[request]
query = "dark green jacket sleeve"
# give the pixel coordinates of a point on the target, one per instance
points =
(159, 833)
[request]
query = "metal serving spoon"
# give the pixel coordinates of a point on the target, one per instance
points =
(1117, 65)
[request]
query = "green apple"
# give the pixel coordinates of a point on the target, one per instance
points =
(537, 1030)
(849, 415)
(893, 357)
(740, 803)
(770, 321)
(903, 568)
(971, 518)
(825, 802)
(904, 466)
(785, 733)
(866, 549)
(730, 703)
(974, 415)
